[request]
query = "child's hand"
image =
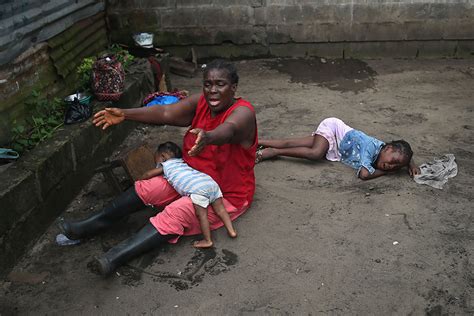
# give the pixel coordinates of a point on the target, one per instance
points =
(413, 170)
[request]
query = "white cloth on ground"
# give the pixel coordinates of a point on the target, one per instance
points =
(437, 172)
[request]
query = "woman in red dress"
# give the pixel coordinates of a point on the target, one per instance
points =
(220, 142)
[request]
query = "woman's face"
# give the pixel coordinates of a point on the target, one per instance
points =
(218, 90)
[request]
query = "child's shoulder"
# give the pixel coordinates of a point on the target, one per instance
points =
(359, 139)
(364, 137)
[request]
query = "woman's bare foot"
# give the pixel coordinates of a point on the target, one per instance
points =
(203, 244)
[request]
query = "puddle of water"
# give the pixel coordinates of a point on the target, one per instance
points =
(335, 74)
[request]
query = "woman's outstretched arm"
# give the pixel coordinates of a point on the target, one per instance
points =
(177, 114)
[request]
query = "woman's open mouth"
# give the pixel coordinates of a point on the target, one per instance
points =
(214, 102)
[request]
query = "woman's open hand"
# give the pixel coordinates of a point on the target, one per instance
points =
(201, 141)
(108, 117)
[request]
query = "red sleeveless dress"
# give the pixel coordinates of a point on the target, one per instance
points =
(230, 165)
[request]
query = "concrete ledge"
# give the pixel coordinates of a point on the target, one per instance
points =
(465, 49)
(37, 188)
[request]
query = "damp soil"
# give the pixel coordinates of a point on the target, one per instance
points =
(335, 74)
(316, 240)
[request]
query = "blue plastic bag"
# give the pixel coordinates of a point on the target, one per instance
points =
(163, 100)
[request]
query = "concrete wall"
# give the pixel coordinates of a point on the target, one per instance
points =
(332, 28)
(37, 188)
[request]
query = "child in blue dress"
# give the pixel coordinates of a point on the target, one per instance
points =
(336, 141)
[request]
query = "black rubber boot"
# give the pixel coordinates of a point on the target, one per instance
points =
(125, 204)
(144, 240)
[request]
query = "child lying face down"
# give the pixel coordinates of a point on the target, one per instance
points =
(200, 187)
(337, 141)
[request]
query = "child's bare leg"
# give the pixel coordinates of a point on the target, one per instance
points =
(305, 141)
(316, 151)
(201, 213)
(219, 208)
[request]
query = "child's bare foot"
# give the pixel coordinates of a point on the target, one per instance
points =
(232, 233)
(203, 244)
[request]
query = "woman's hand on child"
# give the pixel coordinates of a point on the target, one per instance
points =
(201, 141)
(108, 117)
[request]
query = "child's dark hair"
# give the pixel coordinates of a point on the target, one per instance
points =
(402, 147)
(224, 65)
(171, 148)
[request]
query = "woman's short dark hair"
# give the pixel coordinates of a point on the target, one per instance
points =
(170, 147)
(402, 147)
(221, 64)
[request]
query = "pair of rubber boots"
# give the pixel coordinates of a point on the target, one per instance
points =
(144, 240)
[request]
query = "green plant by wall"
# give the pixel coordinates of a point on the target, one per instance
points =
(46, 117)
(84, 71)
(122, 55)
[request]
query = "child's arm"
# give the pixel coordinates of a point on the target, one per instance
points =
(152, 173)
(413, 169)
(364, 174)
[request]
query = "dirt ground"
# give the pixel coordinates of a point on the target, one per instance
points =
(317, 240)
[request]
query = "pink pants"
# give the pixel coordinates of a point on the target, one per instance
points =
(178, 216)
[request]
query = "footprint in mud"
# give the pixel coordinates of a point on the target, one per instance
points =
(204, 261)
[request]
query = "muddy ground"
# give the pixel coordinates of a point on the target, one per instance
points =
(317, 240)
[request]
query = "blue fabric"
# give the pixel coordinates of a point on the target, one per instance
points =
(359, 150)
(163, 100)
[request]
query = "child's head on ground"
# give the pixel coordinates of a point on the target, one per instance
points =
(394, 155)
(167, 151)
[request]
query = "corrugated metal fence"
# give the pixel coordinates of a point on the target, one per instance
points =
(84, 39)
(27, 22)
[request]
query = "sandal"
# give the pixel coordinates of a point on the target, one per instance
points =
(258, 154)
(9, 154)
